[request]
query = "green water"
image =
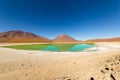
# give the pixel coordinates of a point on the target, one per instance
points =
(54, 47)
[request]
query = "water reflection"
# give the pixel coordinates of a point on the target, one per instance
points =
(80, 47)
(72, 48)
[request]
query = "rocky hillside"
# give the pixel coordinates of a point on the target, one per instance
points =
(64, 38)
(20, 36)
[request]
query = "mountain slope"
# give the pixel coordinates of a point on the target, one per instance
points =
(64, 38)
(117, 39)
(20, 36)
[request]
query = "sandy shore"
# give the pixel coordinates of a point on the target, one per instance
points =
(103, 64)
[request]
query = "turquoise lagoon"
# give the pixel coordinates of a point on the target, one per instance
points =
(54, 47)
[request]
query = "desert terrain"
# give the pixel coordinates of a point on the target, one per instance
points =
(102, 64)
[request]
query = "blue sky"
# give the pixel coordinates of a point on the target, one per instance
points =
(81, 19)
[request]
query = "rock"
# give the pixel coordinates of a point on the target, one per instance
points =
(119, 59)
(112, 77)
(106, 68)
(112, 69)
(91, 78)
(102, 71)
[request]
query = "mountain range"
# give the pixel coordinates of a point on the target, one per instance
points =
(21, 36)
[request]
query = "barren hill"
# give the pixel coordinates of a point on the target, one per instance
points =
(20, 36)
(64, 38)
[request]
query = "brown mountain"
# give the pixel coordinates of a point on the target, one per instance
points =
(64, 38)
(20, 36)
(117, 39)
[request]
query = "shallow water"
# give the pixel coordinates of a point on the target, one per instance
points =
(54, 47)
(80, 47)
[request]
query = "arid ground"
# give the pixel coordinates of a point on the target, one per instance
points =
(103, 64)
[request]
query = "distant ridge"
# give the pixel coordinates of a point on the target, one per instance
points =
(64, 38)
(117, 39)
(21, 36)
